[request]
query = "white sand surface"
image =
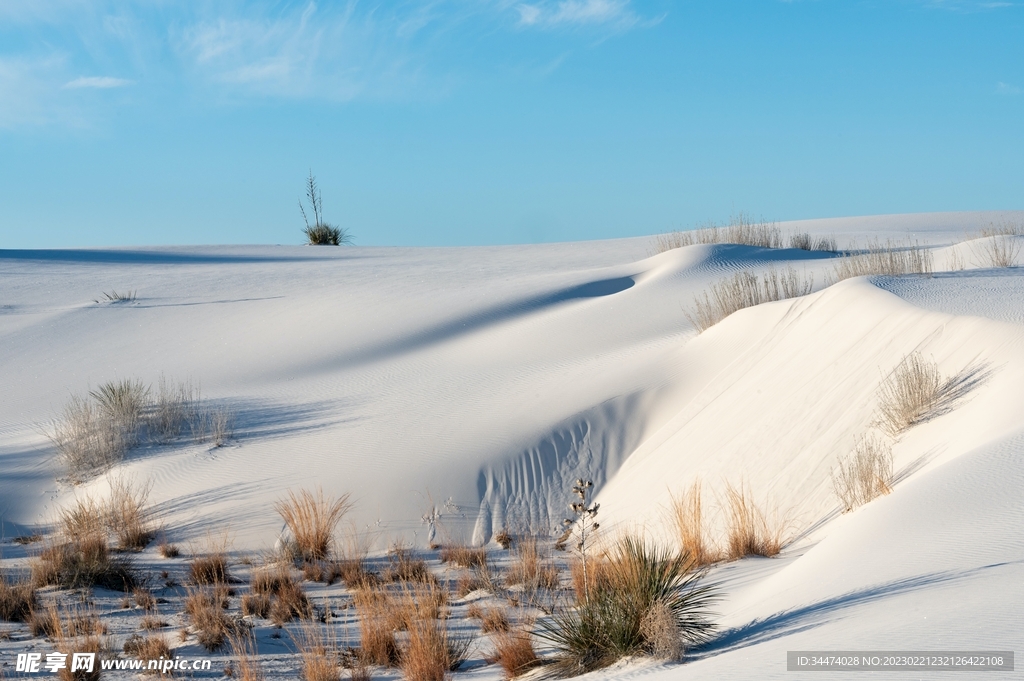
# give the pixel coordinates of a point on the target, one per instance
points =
(475, 384)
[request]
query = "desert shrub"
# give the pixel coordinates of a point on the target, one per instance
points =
(17, 599)
(914, 392)
(84, 563)
(753, 531)
(687, 513)
(998, 251)
(312, 519)
(514, 651)
(123, 403)
(615, 620)
(890, 258)
(352, 573)
(806, 242)
(319, 232)
(864, 474)
(85, 518)
(211, 569)
(464, 556)
(741, 229)
(745, 289)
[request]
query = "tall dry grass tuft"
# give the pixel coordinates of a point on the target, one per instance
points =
(743, 290)
(1001, 247)
(464, 556)
(687, 513)
(864, 474)
(126, 514)
(753, 531)
(530, 569)
(912, 393)
(86, 441)
(741, 229)
(148, 648)
(84, 562)
(312, 520)
(430, 650)
(377, 643)
(207, 611)
(891, 258)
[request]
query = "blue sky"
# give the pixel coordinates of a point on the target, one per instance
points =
(447, 122)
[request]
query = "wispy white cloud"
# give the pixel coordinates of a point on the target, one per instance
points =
(617, 13)
(1007, 89)
(99, 82)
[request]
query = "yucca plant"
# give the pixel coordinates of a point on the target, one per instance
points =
(645, 586)
(319, 232)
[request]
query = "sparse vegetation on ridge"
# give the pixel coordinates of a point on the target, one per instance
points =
(753, 530)
(914, 392)
(740, 230)
(891, 258)
(745, 289)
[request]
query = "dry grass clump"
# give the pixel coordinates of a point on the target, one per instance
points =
(914, 392)
(206, 610)
(405, 566)
(320, 655)
(86, 441)
(687, 513)
(597, 574)
(740, 230)
(287, 600)
(17, 600)
(491, 619)
(247, 665)
(999, 251)
(864, 474)
(150, 622)
(57, 624)
(530, 569)
(211, 567)
(144, 598)
(806, 242)
(83, 563)
(743, 290)
(352, 573)
(256, 605)
(514, 651)
(464, 556)
(891, 258)
(148, 648)
(753, 531)
(312, 519)
(126, 514)
(377, 643)
(503, 539)
(626, 614)
(431, 651)
(168, 550)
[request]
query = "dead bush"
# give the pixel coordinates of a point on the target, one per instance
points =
(915, 392)
(312, 519)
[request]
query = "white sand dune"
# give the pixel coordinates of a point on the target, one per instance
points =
(476, 383)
